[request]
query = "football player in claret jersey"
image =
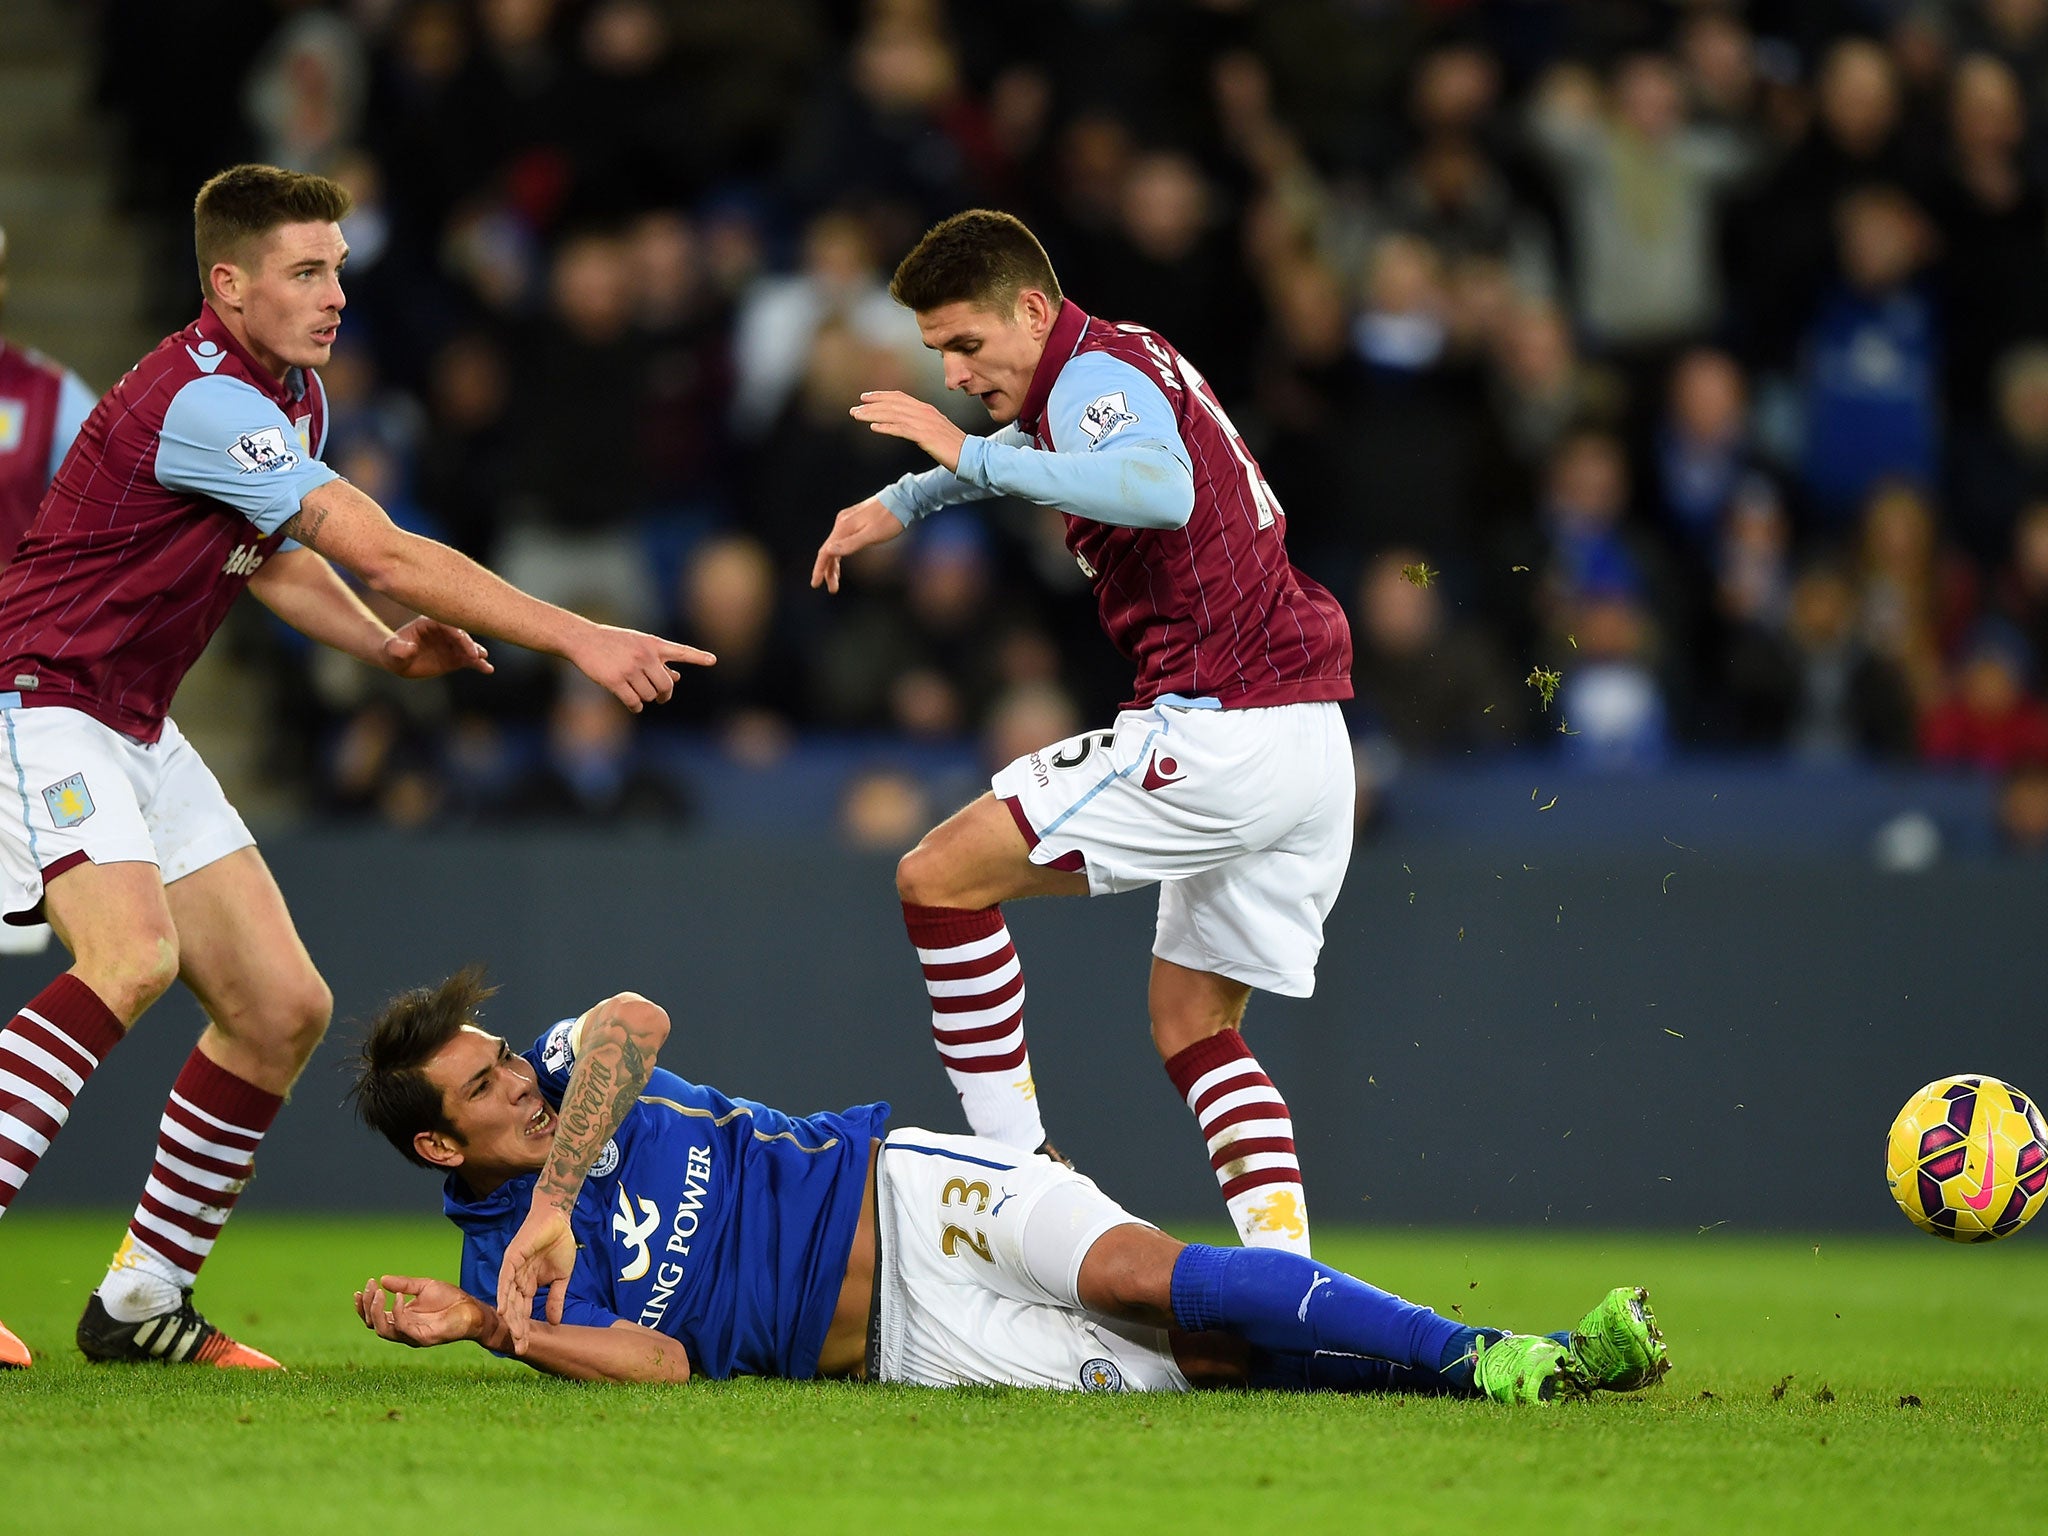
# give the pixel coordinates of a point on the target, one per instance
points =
(680, 1232)
(199, 475)
(42, 406)
(1227, 778)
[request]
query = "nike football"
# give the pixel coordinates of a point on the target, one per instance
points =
(1968, 1159)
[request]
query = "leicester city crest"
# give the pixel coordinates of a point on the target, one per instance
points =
(70, 802)
(607, 1160)
(1101, 1375)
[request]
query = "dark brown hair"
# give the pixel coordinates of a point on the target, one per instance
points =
(980, 257)
(246, 202)
(392, 1093)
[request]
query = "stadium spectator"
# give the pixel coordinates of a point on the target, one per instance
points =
(1427, 684)
(883, 810)
(1915, 597)
(578, 477)
(781, 316)
(1783, 238)
(1543, 387)
(1871, 376)
(1703, 447)
(2001, 463)
(594, 767)
(728, 589)
(1611, 708)
(2023, 809)
(2022, 593)
(1990, 207)
(1640, 184)
(1819, 689)
(1988, 719)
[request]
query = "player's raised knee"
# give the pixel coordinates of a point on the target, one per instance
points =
(135, 974)
(307, 1012)
(918, 877)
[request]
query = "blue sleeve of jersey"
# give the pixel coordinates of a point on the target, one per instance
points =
(919, 496)
(74, 404)
(1118, 457)
(222, 438)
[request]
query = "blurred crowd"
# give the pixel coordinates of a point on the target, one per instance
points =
(1690, 358)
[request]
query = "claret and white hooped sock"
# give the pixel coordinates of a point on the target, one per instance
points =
(976, 984)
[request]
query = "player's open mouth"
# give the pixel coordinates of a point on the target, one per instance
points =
(327, 335)
(542, 1119)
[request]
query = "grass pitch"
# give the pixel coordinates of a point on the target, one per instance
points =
(364, 1436)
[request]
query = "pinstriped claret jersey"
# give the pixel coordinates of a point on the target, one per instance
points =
(171, 499)
(1214, 609)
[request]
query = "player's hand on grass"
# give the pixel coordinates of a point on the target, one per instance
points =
(635, 669)
(421, 1312)
(895, 414)
(429, 648)
(858, 527)
(541, 1253)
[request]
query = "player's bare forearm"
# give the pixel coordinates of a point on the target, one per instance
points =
(623, 1352)
(617, 1042)
(342, 523)
(448, 587)
(422, 1313)
(304, 590)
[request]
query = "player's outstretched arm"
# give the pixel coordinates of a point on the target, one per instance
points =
(305, 591)
(616, 1044)
(859, 527)
(422, 1313)
(340, 522)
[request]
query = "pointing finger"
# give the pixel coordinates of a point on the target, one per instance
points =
(672, 651)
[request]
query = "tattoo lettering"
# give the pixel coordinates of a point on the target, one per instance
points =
(305, 525)
(608, 1077)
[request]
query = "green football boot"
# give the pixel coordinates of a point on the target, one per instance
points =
(1522, 1368)
(1617, 1346)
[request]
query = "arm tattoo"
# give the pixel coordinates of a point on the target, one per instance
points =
(304, 525)
(605, 1083)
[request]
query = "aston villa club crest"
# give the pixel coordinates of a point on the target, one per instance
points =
(70, 802)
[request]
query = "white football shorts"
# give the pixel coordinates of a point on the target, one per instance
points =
(1242, 816)
(72, 789)
(980, 1250)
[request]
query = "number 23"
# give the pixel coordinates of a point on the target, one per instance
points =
(959, 1192)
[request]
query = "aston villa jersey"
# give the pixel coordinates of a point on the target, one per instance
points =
(171, 498)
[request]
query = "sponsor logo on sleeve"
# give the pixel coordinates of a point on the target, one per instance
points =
(1107, 416)
(263, 452)
(70, 802)
(558, 1055)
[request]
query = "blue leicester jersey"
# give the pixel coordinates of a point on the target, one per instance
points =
(720, 1222)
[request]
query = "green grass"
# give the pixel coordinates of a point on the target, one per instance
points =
(362, 1436)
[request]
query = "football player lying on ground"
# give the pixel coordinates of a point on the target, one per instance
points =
(719, 1237)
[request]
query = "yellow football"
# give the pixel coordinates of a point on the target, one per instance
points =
(1968, 1159)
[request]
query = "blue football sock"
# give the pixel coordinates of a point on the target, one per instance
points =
(1287, 1304)
(1349, 1373)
